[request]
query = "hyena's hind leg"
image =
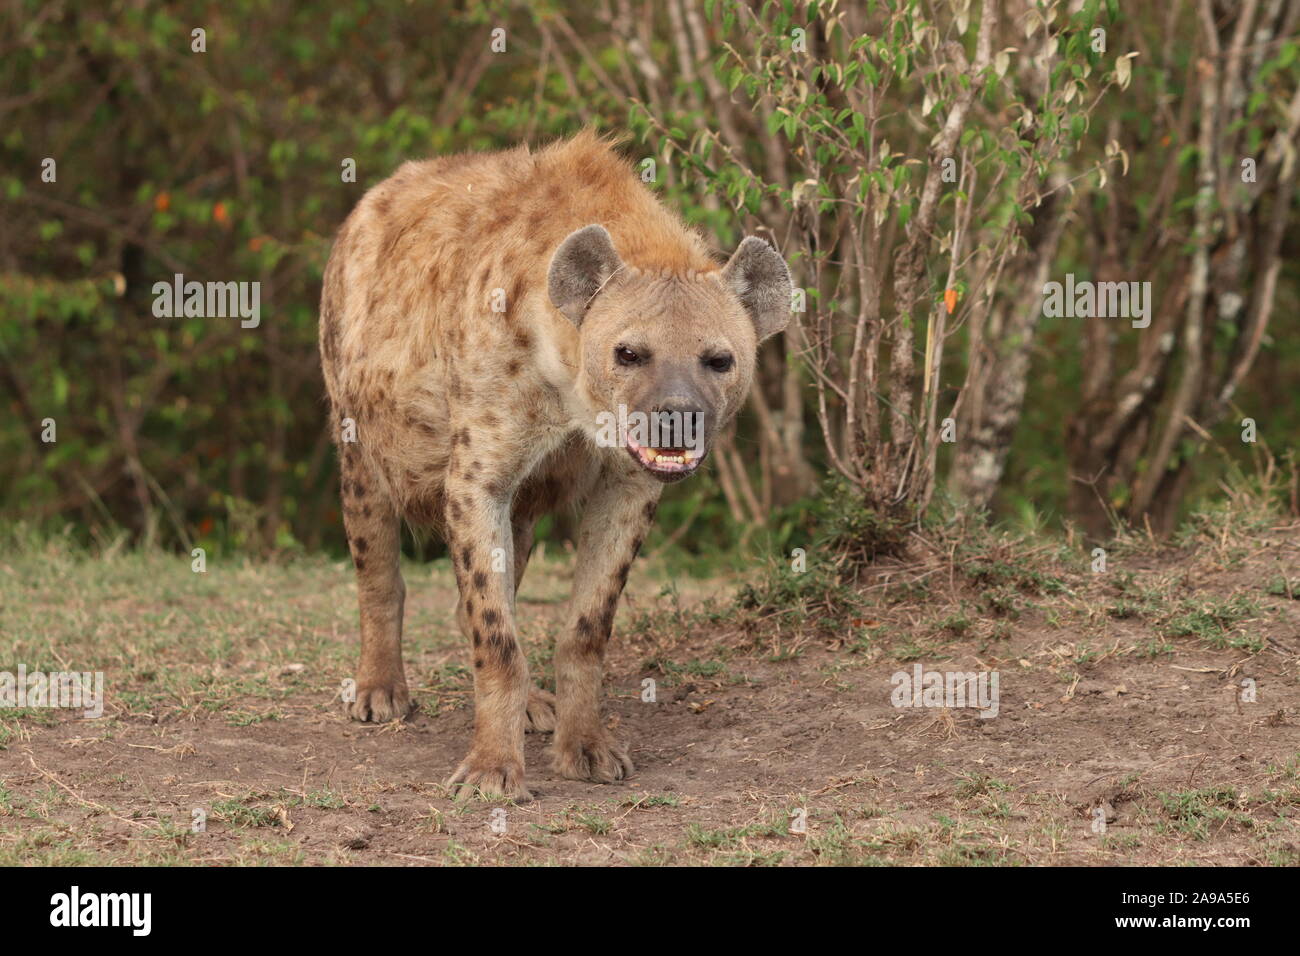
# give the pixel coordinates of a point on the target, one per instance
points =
(374, 537)
(541, 703)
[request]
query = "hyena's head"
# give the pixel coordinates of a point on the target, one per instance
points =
(666, 360)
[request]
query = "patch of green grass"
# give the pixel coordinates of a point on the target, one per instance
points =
(1120, 841)
(238, 814)
(957, 623)
(321, 800)
(729, 838)
(1281, 586)
(834, 844)
(654, 800)
(258, 852)
(594, 824)
(979, 784)
(1002, 601)
(967, 846)
(996, 567)
(1125, 610)
(46, 847)
(457, 854)
(1212, 621)
(1153, 648)
(907, 651)
(1196, 812)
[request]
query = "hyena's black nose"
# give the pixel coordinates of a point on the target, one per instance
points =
(680, 424)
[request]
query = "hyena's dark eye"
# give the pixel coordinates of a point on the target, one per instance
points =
(719, 363)
(626, 356)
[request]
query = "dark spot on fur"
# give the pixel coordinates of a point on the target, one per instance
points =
(465, 555)
(513, 367)
(480, 580)
(359, 562)
(329, 325)
(361, 545)
(504, 646)
(590, 635)
(651, 507)
(478, 637)
(490, 617)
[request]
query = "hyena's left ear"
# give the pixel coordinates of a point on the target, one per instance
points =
(580, 266)
(760, 279)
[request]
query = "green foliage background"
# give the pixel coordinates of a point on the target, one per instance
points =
(225, 165)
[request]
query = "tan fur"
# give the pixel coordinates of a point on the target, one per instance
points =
(478, 422)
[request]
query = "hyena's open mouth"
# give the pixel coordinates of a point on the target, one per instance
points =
(666, 464)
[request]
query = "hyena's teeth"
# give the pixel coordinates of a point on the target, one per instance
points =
(657, 457)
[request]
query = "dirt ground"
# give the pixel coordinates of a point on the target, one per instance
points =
(1120, 697)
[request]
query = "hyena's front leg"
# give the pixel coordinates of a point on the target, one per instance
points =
(374, 537)
(480, 540)
(614, 524)
(540, 712)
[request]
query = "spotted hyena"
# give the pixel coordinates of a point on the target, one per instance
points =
(484, 319)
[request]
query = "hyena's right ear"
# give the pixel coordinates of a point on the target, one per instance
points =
(580, 266)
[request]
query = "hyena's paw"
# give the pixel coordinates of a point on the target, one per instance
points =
(491, 777)
(597, 757)
(380, 703)
(541, 711)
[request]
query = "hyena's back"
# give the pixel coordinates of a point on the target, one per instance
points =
(408, 312)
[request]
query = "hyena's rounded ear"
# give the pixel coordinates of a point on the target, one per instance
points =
(581, 265)
(759, 277)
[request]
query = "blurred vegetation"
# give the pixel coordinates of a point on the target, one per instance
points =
(226, 165)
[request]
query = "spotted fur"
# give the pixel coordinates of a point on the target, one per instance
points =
(474, 395)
